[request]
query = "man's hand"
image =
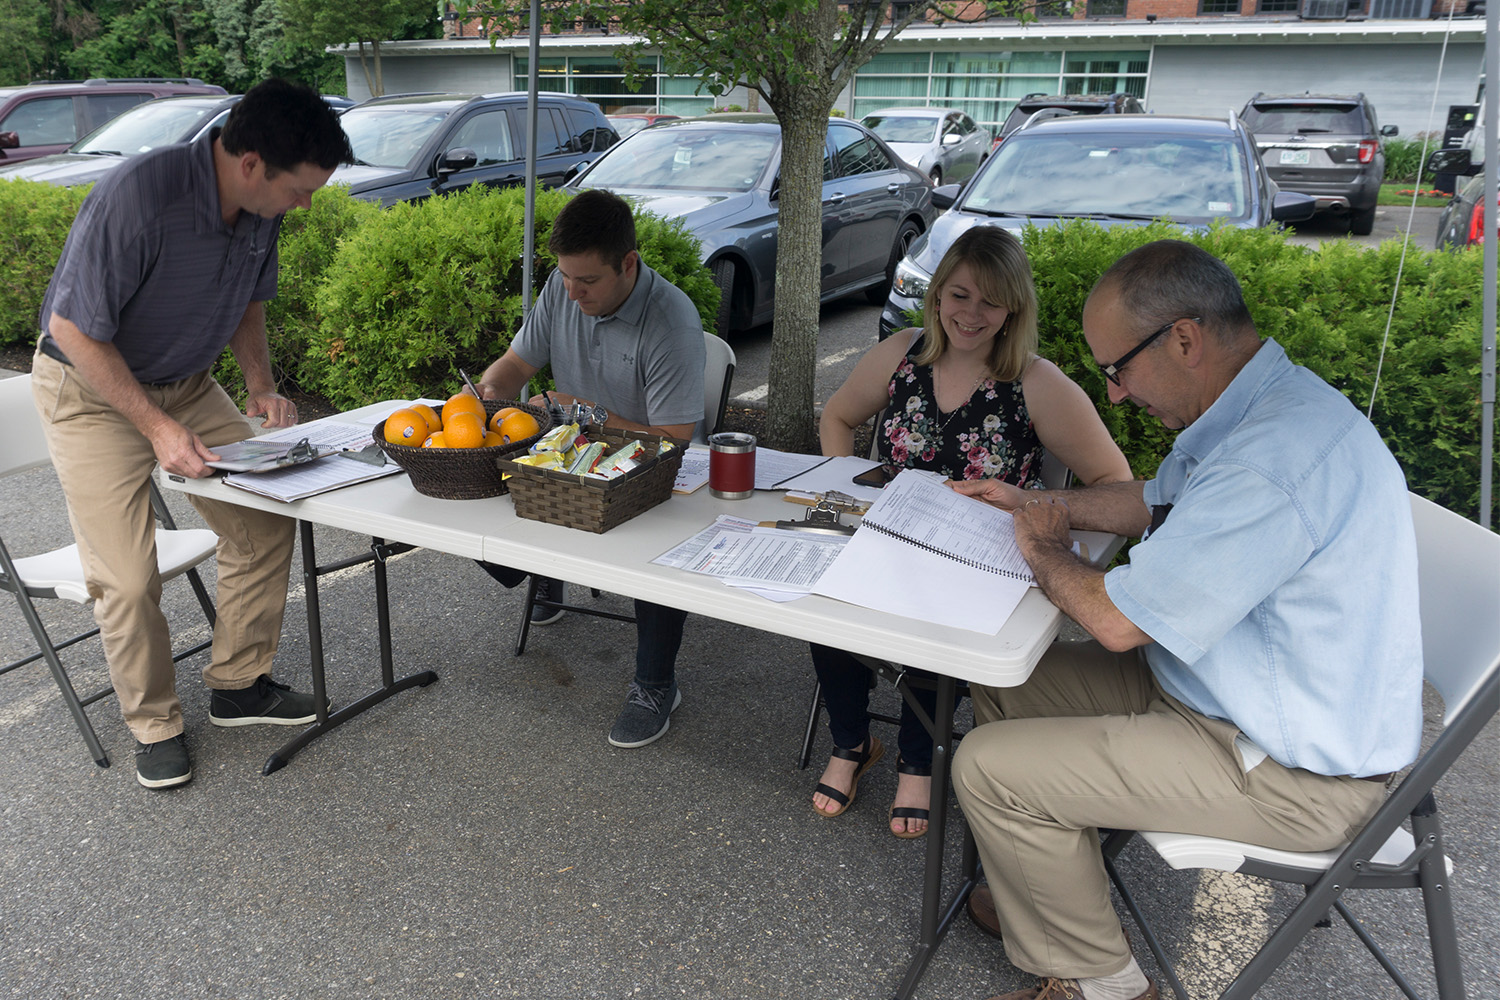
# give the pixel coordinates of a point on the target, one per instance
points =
(279, 411)
(991, 491)
(1041, 522)
(180, 451)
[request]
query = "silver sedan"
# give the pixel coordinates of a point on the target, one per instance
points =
(943, 143)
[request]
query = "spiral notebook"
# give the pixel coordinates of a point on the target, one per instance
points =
(925, 551)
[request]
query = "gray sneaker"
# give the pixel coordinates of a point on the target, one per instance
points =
(645, 717)
(548, 589)
(163, 764)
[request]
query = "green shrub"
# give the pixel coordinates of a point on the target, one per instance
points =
(1403, 157)
(36, 218)
(418, 291)
(1328, 310)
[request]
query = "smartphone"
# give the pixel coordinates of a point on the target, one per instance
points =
(876, 477)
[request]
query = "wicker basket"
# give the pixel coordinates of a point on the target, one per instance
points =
(461, 473)
(596, 504)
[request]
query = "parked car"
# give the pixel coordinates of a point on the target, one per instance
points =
(409, 147)
(721, 176)
(1067, 104)
(626, 123)
(40, 119)
(1463, 219)
(142, 128)
(1115, 170)
(1328, 146)
(944, 144)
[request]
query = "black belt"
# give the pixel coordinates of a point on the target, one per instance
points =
(49, 347)
(1382, 778)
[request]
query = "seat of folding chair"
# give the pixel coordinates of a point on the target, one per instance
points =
(1183, 850)
(59, 573)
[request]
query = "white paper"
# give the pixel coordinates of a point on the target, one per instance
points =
(835, 474)
(770, 558)
(927, 511)
(679, 555)
(772, 466)
(693, 473)
(329, 473)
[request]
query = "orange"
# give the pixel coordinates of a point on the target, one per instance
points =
(462, 402)
(492, 439)
(436, 440)
(427, 413)
(500, 415)
(518, 426)
(405, 427)
(464, 430)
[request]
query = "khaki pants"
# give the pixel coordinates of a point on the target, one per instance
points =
(104, 465)
(1091, 741)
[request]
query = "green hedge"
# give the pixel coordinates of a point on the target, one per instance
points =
(1403, 158)
(377, 303)
(1328, 309)
(34, 221)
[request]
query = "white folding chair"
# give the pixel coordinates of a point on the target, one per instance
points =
(1459, 580)
(718, 372)
(58, 574)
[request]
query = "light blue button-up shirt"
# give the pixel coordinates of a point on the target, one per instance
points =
(1281, 591)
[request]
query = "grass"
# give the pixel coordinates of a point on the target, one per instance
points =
(1391, 194)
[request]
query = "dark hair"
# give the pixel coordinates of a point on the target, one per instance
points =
(594, 221)
(287, 124)
(1170, 279)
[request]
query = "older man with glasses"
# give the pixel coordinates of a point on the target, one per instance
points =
(1255, 671)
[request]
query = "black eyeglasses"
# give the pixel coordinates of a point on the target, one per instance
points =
(1112, 372)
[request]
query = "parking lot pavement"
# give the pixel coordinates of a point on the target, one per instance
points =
(847, 327)
(478, 838)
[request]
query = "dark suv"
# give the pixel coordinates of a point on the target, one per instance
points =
(44, 118)
(1328, 146)
(1068, 104)
(413, 146)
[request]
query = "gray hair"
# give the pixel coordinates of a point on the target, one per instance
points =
(1172, 279)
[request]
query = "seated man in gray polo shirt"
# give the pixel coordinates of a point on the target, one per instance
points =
(170, 260)
(627, 342)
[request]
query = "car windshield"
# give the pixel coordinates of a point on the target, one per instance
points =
(144, 128)
(389, 137)
(1306, 119)
(1136, 176)
(902, 128)
(625, 126)
(685, 159)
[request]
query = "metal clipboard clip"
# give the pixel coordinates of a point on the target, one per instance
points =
(824, 515)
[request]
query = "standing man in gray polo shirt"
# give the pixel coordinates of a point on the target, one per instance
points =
(627, 342)
(170, 260)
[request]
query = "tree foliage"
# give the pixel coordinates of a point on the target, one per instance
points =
(334, 22)
(799, 65)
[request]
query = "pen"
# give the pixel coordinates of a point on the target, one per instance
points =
(470, 384)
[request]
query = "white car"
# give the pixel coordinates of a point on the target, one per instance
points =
(942, 143)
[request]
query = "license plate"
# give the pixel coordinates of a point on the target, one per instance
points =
(1296, 157)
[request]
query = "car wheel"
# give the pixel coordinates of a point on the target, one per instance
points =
(1362, 221)
(937, 176)
(723, 270)
(905, 237)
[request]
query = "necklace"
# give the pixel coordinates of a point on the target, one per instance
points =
(936, 391)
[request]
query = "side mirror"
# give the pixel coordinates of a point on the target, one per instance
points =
(1293, 206)
(9, 140)
(1453, 161)
(1389, 130)
(944, 197)
(457, 158)
(952, 139)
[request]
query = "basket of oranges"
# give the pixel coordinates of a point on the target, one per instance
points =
(450, 452)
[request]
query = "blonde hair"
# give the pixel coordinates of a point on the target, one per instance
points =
(1000, 269)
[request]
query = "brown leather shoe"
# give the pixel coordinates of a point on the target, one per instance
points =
(982, 912)
(1065, 989)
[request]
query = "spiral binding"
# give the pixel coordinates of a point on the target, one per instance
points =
(974, 563)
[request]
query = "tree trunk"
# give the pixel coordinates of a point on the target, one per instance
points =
(799, 266)
(379, 72)
(365, 68)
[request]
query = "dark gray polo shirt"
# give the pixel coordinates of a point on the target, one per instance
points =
(150, 266)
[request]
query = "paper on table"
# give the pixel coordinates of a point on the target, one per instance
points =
(834, 474)
(679, 555)
(693, 473)
(769, 558)
(325, 474)
(772, 466)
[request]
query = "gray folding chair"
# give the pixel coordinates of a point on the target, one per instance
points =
(1459, 578)
(58, 574)
(718, 372)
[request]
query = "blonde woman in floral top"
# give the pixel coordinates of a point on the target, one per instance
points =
(966, 396)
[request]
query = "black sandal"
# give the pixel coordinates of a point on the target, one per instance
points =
(863, 759)
(911, 812)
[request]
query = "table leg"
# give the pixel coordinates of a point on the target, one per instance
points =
(328, 721)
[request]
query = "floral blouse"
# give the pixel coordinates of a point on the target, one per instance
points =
(989, 437)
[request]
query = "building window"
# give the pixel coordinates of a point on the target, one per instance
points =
(1278, 6)
(1106, 8)
(987, 85)
(1218, 6)
(601, 79)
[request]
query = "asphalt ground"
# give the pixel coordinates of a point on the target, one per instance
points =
(478, 838)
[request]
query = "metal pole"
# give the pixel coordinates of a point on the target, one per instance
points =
(1491, 211)
(529, 242)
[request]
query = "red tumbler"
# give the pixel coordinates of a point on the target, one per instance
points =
(731, 465)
